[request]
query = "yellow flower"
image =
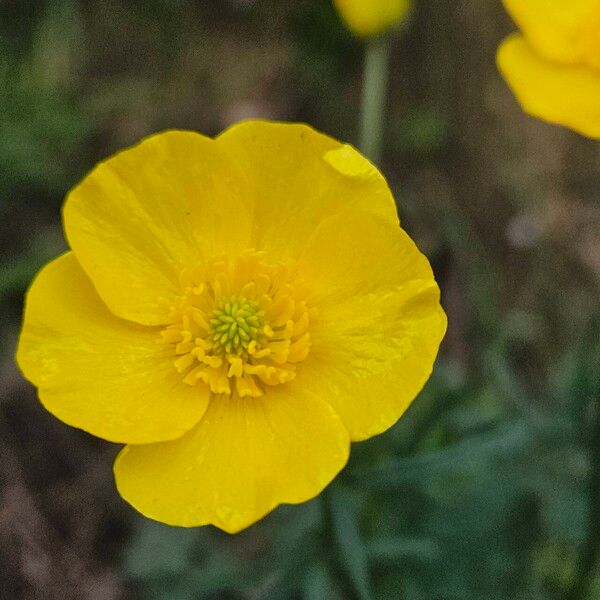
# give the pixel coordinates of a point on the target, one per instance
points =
(368, 18)
(554, 66)
(237, 310)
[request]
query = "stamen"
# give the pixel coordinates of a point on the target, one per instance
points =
(240, 325)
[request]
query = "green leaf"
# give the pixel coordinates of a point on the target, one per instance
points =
(463, 456)
(18, 275)
(392, 549)
(158, 549)
(317, 584)
(352, 550)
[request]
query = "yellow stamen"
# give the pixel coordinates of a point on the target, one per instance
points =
(239, 325)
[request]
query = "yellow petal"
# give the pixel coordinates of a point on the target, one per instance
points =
(566, 95)
(566, 31)
(142, 215)
(244, 458)
(590, 40)
(371, 17)
(94, 371)
(296, 177)
(379, 322)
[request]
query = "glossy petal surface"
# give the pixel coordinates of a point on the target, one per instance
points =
(563, 94)
(245, 457)
(379, 321)
(371, 17)
(141, 216)
(295, 177)
(565, 31)
(97, 372)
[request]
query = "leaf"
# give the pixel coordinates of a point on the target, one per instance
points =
(317, 584)
(466, 455)
(158, 549)
(352, 550)
(392, 549)
(18, 275)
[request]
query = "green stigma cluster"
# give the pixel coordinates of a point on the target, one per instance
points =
(235, 324)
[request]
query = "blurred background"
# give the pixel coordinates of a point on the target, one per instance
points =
(489, 487)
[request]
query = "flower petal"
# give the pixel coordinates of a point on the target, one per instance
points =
(107, 376)
(379, 322)
(297, 177)
(567, 95)
(371, 17)
(145, 213)
(244, 458)
(558, 29)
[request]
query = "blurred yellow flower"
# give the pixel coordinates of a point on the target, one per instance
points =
(368, 18)
(237, 310)
(554, 66)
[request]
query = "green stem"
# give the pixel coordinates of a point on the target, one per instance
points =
(374, 95)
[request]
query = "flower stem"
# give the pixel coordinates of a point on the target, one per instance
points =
(374, 94)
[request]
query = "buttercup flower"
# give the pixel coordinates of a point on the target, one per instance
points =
(236, 310)
(554, 66)
(368, 18)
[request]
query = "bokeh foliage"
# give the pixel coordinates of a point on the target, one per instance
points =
(488, 487)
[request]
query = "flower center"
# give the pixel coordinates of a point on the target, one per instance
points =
(235, 324)
(239, 325)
